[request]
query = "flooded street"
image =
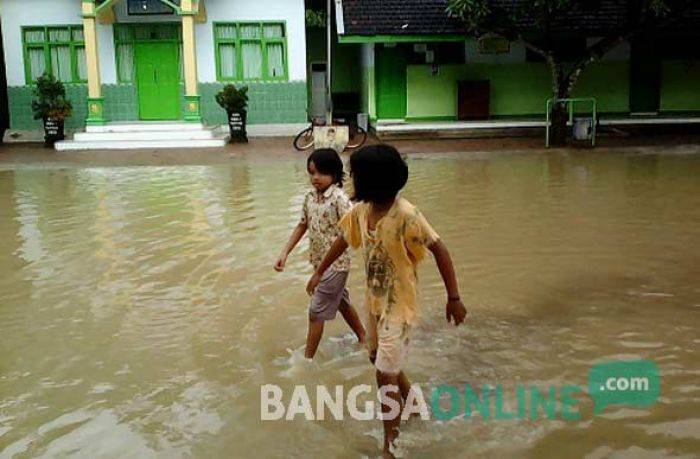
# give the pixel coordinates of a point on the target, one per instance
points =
(140, 314)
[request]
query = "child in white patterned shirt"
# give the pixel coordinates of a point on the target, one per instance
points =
(323, 208)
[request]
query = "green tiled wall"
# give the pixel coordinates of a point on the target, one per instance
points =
(283, 102)
(20, 101)
(121, 103)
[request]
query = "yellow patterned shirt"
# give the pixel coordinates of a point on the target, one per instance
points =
(391, 255)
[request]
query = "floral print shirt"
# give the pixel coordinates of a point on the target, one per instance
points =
(391, 254)
(321, 213)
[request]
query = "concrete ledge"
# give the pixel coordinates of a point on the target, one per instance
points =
(72, 145)
(275, 130)
(188, 134)
(397, 129)
(145, 126)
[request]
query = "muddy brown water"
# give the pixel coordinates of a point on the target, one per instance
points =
(140, 315)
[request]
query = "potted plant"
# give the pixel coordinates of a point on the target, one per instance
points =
(235, 102)
(51, 106)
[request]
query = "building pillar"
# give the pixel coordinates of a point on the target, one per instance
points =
(95, 99)
(189, 10)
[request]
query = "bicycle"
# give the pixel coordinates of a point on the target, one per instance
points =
(305, 139)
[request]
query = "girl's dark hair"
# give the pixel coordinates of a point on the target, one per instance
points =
(378, 173)
(328, 162)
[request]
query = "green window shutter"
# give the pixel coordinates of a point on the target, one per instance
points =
(250, 51)
(59, 50)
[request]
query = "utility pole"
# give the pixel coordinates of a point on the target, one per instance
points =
(329, 102)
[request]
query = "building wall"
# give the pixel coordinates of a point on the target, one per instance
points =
(521, 88)
(518, 87)
(680, 85)
(290, 11)
(270, 102)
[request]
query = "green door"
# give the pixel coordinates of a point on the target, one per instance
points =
(158, 80)
(391, 83)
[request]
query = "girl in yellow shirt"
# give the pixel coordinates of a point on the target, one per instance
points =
(394, 237)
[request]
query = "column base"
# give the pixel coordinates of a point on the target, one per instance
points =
(193, 109)
(95, 111)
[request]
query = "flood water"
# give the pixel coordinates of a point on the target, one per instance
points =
(140, 314)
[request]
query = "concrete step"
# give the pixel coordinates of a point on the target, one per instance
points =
(71, 145)
(188, 134)
(146, 126)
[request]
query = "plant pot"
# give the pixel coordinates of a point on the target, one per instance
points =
(237, 126)
(53, 130)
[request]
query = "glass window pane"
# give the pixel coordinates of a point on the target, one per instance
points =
(37, 63)
(142, 33)
(81, 62)
(275, 60)
(58, 35)
(78, 34)
(34, 36)
(61, 62)
(273, 31)
(250, 31)
(251, 54)
(166, 32)
(227, 58)
(226, 31)
(123, 33)
(125, 58)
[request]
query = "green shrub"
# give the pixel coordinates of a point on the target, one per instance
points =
(50, 99)
(233, 99)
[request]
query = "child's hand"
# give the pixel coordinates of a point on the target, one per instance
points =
(455, 310)
(313, 283)
(279, 264)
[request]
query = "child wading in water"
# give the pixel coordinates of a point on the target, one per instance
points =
(323, 208)
(394, 237)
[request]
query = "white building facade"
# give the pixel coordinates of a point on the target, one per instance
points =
(157, 60)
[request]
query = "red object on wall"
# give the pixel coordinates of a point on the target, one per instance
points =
(473, 99)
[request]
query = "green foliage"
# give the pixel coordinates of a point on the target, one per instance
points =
(50, 99)
(315, 19)
(233, 99)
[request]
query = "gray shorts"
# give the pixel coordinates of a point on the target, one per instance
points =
(328, 296)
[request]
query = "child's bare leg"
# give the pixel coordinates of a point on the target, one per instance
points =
(353, 320)
(313, 337)
(404, 385)
(391, 426)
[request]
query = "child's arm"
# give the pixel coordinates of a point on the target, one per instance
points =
(294, 239)
(455, 308)
(339, 246)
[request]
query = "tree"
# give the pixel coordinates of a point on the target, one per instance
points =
(541, 26)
